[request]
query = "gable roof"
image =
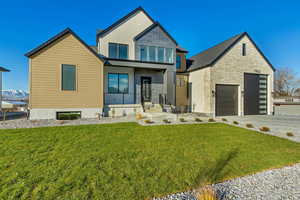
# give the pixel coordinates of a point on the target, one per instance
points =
(120, 21)
(212, 55)
(2, 69)
(58, 36)
(180, 49)
(151, 27)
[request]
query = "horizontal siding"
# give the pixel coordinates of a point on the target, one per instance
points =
(46, 76)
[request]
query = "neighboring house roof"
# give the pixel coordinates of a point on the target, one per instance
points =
(182, 50)
(58, 36)
(151, 27)
(2, 69)
(123, 19)
(212, 55)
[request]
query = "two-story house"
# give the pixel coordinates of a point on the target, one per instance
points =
(137, 66)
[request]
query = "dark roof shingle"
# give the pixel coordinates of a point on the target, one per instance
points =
(2, 69)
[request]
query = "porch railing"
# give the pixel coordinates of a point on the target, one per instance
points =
(118, 98)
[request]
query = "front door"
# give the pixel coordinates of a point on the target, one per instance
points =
(146, 89)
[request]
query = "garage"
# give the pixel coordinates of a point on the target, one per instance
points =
(226, 100)
(255, 94)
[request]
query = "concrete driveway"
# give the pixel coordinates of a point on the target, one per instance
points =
(279, 124)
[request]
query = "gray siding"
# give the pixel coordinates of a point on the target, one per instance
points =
(156, 37)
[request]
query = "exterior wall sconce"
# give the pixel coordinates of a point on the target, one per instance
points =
(242, 92)
(213, 93)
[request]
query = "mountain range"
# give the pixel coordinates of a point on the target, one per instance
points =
(15, 95)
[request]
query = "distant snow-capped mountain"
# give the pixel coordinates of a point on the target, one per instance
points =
(14, 95)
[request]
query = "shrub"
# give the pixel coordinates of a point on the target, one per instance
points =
(198, 120)
(211, 120)
(167, 121)
(148, 121)
(235, 122)
(139, 116)
(290, 134)
(206, 193)
(61, 122)
(182, 120)
(224, 120)
(249, 126)
(68, 116)
(265, 129)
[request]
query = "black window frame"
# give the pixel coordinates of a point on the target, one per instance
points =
(244, 50)
(62, 77)
(118, 74)
(118, 50)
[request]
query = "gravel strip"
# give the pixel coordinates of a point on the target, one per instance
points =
(275, 184)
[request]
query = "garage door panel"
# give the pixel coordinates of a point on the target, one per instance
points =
(226, 100)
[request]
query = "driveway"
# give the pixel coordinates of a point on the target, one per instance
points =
(279, 124)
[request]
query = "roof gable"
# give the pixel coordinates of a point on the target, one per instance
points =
(57, 37)
(122, 20)
(150, 28)
(212, 55)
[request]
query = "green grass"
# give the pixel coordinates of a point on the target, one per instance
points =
(131, 162)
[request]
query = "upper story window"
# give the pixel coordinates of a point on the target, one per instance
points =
(119, 51)
(156, 54)
(244, 52)
(178, 61)
(118, 83)
(68, 82)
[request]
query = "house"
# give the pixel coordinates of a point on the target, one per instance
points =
(137, 66)
(2, 69)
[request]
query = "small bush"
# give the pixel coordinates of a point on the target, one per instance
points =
(206, 193)
(139, 116)
(167, 121)
(148, 121)
(235, 122)
(61, 122)
(290, 134)
(264, 129)
(68, 116)
(249, 126)
(211, 120)
(182, 120)
(224, 120)
(198, 120)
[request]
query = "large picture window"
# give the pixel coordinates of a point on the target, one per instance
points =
(68, 77)
(116, 50)
(118, 83)
(169, 55)
(143, 53)
(156, 54)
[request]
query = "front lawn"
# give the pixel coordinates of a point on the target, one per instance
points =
(127, 161)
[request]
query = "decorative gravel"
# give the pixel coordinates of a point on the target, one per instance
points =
(275, 184)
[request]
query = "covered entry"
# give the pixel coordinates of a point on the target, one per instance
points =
(226, 100)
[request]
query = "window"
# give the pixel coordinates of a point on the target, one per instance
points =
(143, 53)
(169, 55)
(118, 51)
(152, 56)
(244, 49)
(68, 77)
(160, 54)
(178, 62)
(118, 83)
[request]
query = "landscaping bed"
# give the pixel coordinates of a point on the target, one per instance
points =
(128, 161)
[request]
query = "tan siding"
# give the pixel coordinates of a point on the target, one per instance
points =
(45, 70)
(182, 91)
(183, 62)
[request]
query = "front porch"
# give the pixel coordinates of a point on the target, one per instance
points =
(130, 90)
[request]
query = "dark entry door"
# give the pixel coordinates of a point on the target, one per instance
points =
(226, 100)
(251, 94)
(146, 89)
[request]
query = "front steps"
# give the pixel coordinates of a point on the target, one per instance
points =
(152, 108)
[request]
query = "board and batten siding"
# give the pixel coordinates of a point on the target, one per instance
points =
(45, 76)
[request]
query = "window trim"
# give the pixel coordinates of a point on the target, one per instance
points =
(118, 50)
(61, 80)
(118, 83)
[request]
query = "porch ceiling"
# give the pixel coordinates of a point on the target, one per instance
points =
(137, 64)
